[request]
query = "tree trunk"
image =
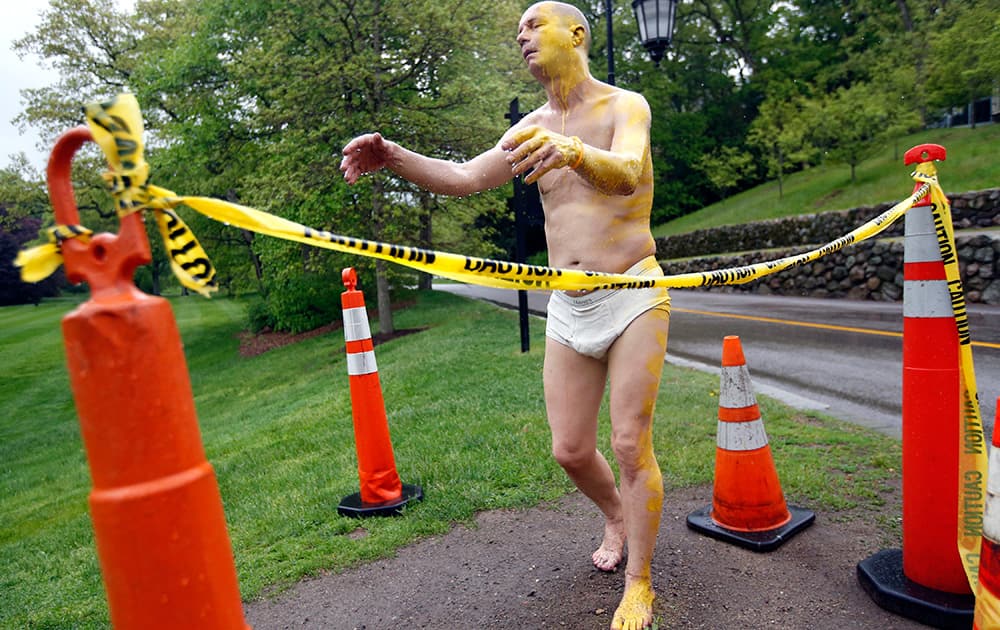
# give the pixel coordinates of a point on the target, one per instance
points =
(427, 205)
(381, 281)
(385, 322)
(921, 54)
(254, 258)
(904, 12)
(781, 173)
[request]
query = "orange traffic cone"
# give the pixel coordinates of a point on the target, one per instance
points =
(382, 493)
(748, 508)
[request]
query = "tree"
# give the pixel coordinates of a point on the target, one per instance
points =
(780, 132)
(850, 123)
(93, 47)
(963, 55)
(23, 206)
(726, 167)
(313, 74)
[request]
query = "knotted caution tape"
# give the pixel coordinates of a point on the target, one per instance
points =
(117, 126)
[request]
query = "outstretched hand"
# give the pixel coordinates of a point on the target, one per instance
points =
(364, 154)
(541, 150)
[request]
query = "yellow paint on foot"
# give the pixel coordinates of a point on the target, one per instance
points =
(636, 610)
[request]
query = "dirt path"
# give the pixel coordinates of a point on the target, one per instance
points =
(531, 569)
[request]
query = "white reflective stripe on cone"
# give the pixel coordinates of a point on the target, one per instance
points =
(356, 324)
(735, 388)
(926, 298)
(920, 244)
(741, 436)
(991, 517)
(360, 363)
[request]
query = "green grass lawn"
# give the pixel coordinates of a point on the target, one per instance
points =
(468, 424)
(970, 165)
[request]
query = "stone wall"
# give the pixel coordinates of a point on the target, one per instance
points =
(870, 270)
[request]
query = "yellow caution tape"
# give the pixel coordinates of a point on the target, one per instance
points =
(38, 263)
(117, 127)
(972, 449)
(987, 612)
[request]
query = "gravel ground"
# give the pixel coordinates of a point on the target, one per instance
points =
(531, 569)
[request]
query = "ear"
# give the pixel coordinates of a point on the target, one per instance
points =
(579, 34)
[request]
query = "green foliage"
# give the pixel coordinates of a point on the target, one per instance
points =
(726, 167)
(880, 178)
(963, 62)
(305, 301)
(259, 316)
(780, 132)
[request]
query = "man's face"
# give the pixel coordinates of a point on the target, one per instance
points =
(544, 36)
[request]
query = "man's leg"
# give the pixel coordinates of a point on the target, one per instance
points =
(574, 386)
(635, 363)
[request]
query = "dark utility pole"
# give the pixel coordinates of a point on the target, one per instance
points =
(608, 11)
(517, 202)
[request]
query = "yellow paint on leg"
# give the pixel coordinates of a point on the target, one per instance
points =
(636, 610)
(654, 483)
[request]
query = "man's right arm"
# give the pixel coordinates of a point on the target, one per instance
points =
(372, 152)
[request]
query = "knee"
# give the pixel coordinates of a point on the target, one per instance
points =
(572, 458)
(634, 453)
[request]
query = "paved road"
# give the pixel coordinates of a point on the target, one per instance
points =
(843, 357)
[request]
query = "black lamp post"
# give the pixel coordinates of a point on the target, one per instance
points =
(608, 11)
(656, 25)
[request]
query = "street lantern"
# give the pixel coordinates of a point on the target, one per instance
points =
(656, 24)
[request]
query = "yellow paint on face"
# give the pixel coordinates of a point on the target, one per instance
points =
(553, 37)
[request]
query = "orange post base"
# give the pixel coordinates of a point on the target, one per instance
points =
(158, 520)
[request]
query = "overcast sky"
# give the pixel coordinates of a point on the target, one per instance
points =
(19, 18)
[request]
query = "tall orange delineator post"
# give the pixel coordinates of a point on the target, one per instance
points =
(159, 526)
(987, 612)
(925, 580)
(382, 493)
(748, 507)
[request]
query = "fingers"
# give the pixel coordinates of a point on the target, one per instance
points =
(363, 154)
(546, 164)
(526, 148)
(539, 151)
(520, 136)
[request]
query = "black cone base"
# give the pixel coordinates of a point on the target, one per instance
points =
(767, 540)
(882, 577)
(354, 507)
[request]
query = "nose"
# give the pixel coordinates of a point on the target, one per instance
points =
(522, 36)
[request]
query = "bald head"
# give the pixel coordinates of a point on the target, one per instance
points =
(569, 14)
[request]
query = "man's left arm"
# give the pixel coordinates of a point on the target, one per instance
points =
(535, 150)
(618, 170)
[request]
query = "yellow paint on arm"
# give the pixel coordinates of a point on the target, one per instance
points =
(619, 169)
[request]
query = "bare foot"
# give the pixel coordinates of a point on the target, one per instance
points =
(612, 550)
(636, 610)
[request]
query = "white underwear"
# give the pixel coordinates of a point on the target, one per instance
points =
(590, 323)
